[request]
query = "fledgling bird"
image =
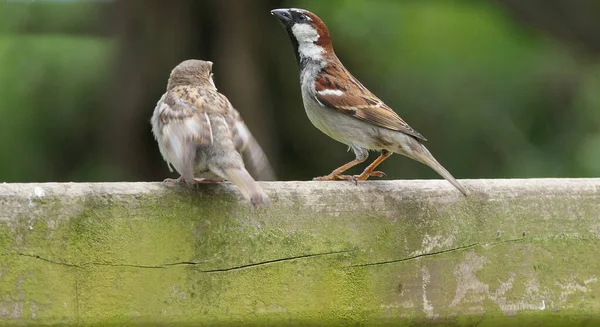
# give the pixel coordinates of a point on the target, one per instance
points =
(200, 133)
(342, 108)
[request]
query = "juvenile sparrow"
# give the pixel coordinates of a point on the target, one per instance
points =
(200, 133)
(342, 108)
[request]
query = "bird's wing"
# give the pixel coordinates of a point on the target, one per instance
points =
(188, 115)
(255, 159)
(355, 100)
(185, 126)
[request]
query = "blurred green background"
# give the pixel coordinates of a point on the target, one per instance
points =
(501, 88)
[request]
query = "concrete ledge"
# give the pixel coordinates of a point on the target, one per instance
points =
(519, 252)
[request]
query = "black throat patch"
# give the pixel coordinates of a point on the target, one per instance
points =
(295, 45)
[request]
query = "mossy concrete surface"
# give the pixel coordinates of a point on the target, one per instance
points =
(518, 252)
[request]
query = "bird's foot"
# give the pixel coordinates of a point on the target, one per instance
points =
(349, 178)
(332, 177)
(206, 180)
(365, 175)
(352, 178)
(174, 180)
(196, 180)
(329, 177)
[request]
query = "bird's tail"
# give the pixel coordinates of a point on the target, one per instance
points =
(247, 186)
(254, 156)
(424, 156)
(256, 161)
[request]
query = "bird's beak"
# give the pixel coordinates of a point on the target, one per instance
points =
(283, 15)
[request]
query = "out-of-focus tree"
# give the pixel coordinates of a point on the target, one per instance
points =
(495, 98)
(502, 88)
(573, 21)
(150, 44)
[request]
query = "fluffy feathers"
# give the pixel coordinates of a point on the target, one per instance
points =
(200, 134)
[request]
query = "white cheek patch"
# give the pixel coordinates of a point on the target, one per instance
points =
(331, 92)
(306, 36)
(305, 33)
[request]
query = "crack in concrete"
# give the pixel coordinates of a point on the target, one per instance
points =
(107, 264)
(49, 260)
(460, 248)
(183, 263)
(258, 264)
(267, 262)
(515, 240)
(64, 264)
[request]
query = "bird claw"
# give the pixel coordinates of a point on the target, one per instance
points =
(174, 180)
(324, 178)
(361, 177)
(376, 174)
(335, 177)
(349, 178)
(196, 180)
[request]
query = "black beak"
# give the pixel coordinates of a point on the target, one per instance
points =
(283, 15)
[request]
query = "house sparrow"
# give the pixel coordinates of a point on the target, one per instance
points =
(200, 133)
(342, 108)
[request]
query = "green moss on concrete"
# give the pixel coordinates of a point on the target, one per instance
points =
(183, 257)
(35, 290)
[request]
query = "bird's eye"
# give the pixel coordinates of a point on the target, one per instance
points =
(302, 18)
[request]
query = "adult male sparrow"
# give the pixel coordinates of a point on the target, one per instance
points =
(342, 108)
(200, 133)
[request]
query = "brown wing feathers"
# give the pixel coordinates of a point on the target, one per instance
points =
(189, 112)
(357, 101)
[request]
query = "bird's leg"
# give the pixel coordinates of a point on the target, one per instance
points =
(368, 172)
(361, 156)
(336, 174)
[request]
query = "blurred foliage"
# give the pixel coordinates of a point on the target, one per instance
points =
(495, 96)
(51, 89)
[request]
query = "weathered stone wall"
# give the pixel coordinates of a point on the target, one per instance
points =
(519, 252)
